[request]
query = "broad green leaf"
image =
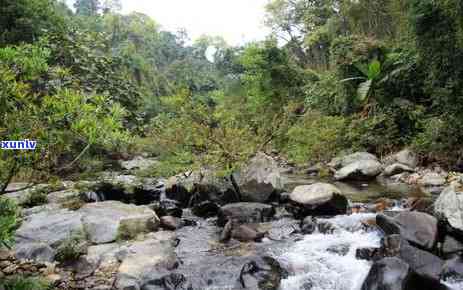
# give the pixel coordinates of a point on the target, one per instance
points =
(374, 70)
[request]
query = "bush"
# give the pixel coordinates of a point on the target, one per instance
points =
(72, 248)
(377, 134)
(315, 138)
(36, 197)
(22, 283)
(9, 214)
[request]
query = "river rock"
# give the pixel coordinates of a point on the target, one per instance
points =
(171, 223)
(406, 157)
(339, 162)
(308, 225)
(416, 227)
(259, 179)
(396, 168)
(205, 209)
(449, 205)
(126, 188)
(105, 221)
(261, 274)
(453, 269)
(49, 228)
(167, 207)
(39, 252)
(191, 188)
(63, 196)
(145, 261)
(245, 212)
(359, 170)
(451, 245)
(317, 199)
(173, 281)
(245, 233)
(387, 274)
(432, 182)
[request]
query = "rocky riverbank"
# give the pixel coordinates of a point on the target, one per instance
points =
(257, 229)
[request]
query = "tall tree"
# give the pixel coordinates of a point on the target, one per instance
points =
(87, 7)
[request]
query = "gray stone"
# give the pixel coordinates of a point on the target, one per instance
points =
(396, 168)
(261, 274)
(49, 227)
(63, 196)
(105, 221)
(449, 205)
(339, 162)
(406, 157)
(145, 260)
(39, 252)
(416, 227)
(387, 274)
(451, 245)
(317, 199)
(245, 212)
(359, 170)
(259, 179)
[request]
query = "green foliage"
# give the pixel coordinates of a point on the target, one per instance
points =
(315, 138)
(72, 248)
(9, 215)
(35, 197)
(23, 283)
(378, 134)
(27, 20)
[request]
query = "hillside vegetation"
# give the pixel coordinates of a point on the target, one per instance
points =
(91, 84)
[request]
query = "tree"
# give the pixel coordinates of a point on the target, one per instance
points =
(27, 20)
(87, 7)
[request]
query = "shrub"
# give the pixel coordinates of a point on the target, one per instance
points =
(72, 248)
(377, 134)
(36, 197)
(315, 138)
(9, 214)
(22, 283)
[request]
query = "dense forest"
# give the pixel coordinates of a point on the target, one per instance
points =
(92, 85)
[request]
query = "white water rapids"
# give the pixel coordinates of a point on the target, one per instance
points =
(328, 262)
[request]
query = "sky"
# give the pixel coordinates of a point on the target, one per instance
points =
(237, 21)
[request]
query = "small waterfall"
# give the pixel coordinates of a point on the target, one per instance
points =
(327, 261)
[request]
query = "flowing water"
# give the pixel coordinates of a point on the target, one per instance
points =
(314, 262)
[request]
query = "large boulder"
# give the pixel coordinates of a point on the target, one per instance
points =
(122, 187)
(340, 162)
(359, 170)
(104, 222)
(42, 233)
(191, 188)
(259, 179)
(432, 182)
(416, 227)
(453, 269)
(396, 168)
(405, 157)
(387, 274)
(392, 273)
(145, 261)
(317, 199)
(449, 205)
(261, 274)
(245, 212)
